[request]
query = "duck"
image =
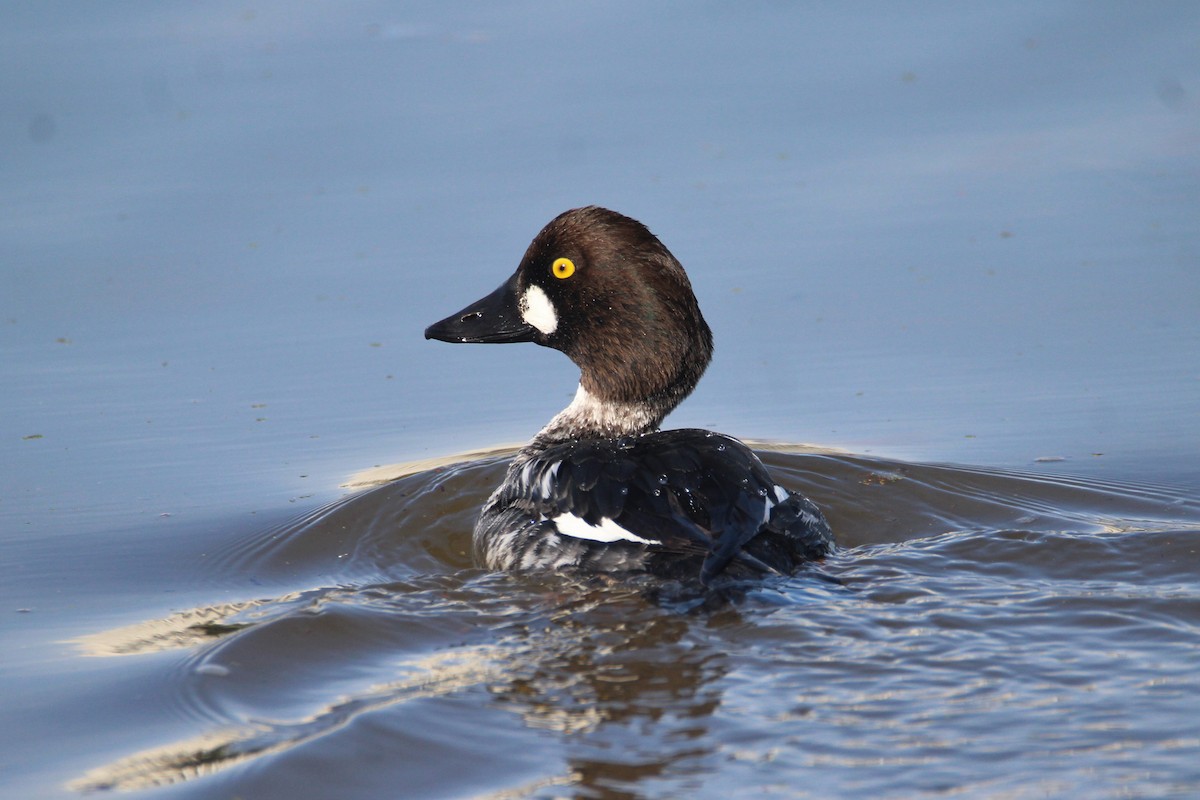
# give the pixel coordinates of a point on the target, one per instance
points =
(602, 488)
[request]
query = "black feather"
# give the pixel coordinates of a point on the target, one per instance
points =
(701, 497)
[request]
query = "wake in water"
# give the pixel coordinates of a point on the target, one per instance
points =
(973, 611)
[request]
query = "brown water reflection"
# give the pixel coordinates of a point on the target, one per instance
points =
(967, 234)
(984, 603)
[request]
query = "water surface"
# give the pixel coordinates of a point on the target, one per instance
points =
(955, 248)
(978, 618)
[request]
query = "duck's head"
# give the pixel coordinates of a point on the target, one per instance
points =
(604, 290)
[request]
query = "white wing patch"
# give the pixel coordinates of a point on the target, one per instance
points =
(538, 311)
(607, 531)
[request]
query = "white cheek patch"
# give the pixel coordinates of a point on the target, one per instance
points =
(538, 311)
(607, 531)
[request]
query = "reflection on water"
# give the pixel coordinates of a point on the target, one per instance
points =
(433, 676)
(965, 234)
(190, 628)
(567, 663)
(1002, 607)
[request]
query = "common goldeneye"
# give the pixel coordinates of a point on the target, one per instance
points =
(601, 488)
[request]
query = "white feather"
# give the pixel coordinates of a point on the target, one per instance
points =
(613, 417)
(607, 531)
(548, 477)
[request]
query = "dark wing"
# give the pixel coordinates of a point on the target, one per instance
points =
(686, 491)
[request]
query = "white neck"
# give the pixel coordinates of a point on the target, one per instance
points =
(591, 416)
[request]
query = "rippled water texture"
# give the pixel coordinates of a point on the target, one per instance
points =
(997, 633)
(955, 247)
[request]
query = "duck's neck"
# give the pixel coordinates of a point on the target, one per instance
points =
(591, 417)
(630, 397)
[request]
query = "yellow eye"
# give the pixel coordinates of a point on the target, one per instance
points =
(563, 268)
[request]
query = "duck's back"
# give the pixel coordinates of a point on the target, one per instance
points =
(679, 503)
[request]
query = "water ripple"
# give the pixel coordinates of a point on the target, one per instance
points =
(978, 618)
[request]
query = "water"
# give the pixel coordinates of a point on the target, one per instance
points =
(982, 618)
(955, 248)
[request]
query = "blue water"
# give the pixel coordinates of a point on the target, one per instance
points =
(922, 233)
